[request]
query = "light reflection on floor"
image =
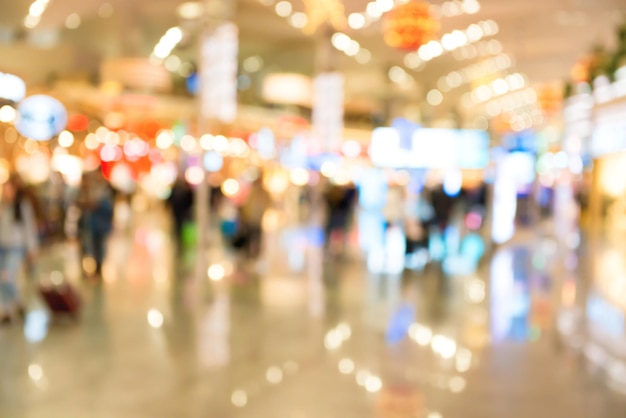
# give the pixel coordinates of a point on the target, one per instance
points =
(312, 337)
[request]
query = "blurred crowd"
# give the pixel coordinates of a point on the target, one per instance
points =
(30, 218)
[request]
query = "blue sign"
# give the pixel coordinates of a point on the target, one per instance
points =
(40, 117)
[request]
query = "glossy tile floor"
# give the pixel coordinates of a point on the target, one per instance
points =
(293, 336)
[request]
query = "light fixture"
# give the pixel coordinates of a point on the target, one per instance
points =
(356, 21)
(283, 8)
(434, 97)
(73, 21)
(190, 10)
(299, 20)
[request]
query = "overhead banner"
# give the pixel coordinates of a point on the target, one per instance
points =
(218, 74)
(328, 103)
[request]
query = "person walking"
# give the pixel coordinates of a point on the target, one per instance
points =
(18, 241)
(252, 212)
(97, 208)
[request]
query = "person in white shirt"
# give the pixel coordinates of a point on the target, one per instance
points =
(18, 240)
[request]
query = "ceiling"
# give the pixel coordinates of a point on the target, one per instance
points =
(544, 38)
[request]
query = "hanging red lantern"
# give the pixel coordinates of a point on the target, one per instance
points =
(410, 26)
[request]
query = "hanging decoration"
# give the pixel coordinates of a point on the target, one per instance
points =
(409, 26)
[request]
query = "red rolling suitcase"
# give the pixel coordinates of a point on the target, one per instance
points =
(60, 296)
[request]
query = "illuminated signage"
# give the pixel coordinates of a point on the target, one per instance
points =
(40, 117)
(328, 102)
(218, 74)
(12, 87)
(430, 148)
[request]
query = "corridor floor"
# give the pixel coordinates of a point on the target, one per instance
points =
(294, 336)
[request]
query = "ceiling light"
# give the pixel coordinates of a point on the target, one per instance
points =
(493, 109)
(384, 5)
(483, 93)
(413, 61)
(455, 79)
(500, 87)
(105, 10)
(185, 70)
(72, 21)
(435, 49)
(356, 21)
(471, 6)
(442, 84)
(502, 61)
(489, 27)
(299, 20)
(283, 8)
(373, 10)
(172, 63)
(434, 97)
(174, 35)
(38, 7)
(363, 56)
(253, 64)
(494, 47)
(353, 49)
(515, 81)
(341, 41)
(190, 10)
(448, 42)
(474, 32)
(397, 74)
(424, 53)
(31, 21)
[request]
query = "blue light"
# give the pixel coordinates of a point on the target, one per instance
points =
(193, 84)
(213, 161)
(40, 117)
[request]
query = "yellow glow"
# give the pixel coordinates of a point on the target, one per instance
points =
(299, 176)
(7, 114)
(89, 265)
(373, 384)
(274, 375)
(155, 318)
(239, 398)
(31, 146)
(346, 366)
(164, 140)
(220, 143)
(66, 139)
(230, 187)
(329, 169)
(194, 175)
(5, 171)
(277, 183)
(216, 272)
(35, 372)
(188, 143)
(206, 142)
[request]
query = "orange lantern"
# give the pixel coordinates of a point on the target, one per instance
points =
(410, 26)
